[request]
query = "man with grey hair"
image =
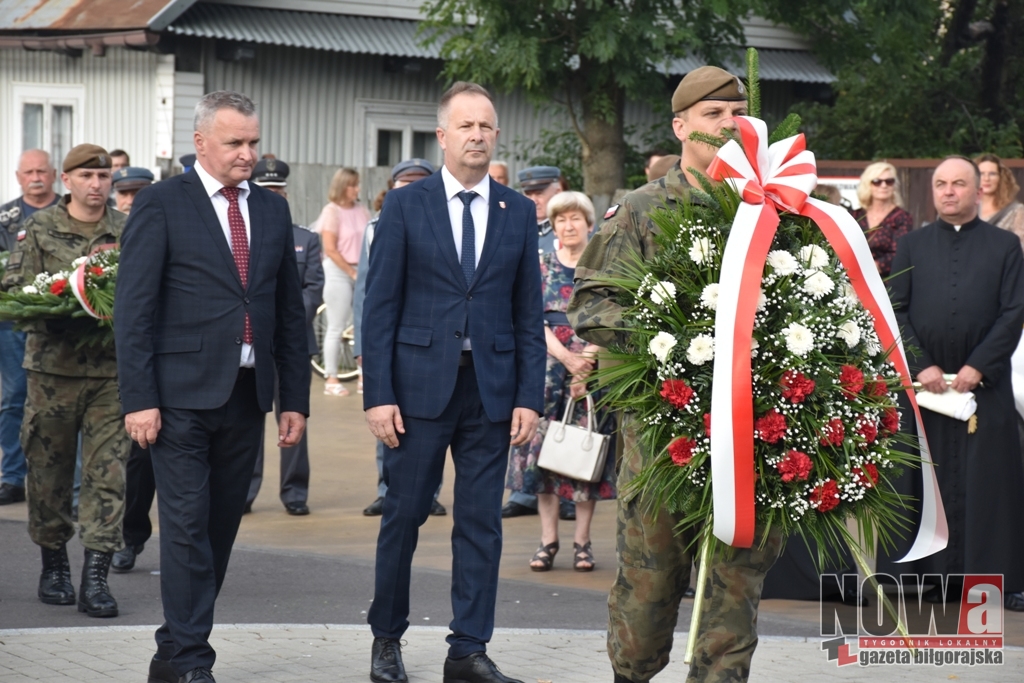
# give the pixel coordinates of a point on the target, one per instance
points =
(208, 306)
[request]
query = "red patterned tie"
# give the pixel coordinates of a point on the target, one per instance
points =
(239, 247)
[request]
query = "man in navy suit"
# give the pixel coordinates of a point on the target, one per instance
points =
(208, 305)
(453, 306)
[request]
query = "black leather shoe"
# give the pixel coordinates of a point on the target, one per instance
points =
(199, 675)
(160, 671)
(619, 678)
(9, 493)
(124, 559)
(94, 596)
(566, 510)
(386, 661)
(297, 509)
(375, 509)
(437, 510)
(247, 509)
(689, 592)
(1014, 602)
(474, 668)
(55, 587)
(513, 509)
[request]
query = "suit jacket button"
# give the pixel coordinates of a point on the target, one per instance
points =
(238, 340)
(246, 299)
(469, 297)
(458, 335)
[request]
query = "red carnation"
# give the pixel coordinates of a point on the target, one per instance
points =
(58, 287)
(878, 387)
(677, 392)
(890, 421)
(833, 433)
(866, 480)
(795, 465)
(707, 424)
(771, 427)
(796, 386)
(681, 450)
(96, 270)
(852, 381)
(825, 497)
(868, 429)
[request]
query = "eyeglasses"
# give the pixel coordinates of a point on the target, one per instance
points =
(878, 182)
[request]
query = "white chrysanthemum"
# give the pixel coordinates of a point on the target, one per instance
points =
(849, 332)
(871, 343)
(799, 339)
(29, 289)
(762, 301)
(814, 256)
(661, 346)
(818, 285)
(849, 292)
(701, 249)
(701, 349)
(663, 293)
(782, 262)
(709, 297)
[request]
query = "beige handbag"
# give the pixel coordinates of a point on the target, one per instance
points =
(574, 452)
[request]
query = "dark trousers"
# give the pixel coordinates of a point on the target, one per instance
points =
(140, 488)
(294, 464)
(203, 461)
(412, 472)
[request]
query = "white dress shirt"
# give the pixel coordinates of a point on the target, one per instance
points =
(478, 208)
(220, 207)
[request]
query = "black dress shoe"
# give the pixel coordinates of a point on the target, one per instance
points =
(247, 509)
(386, 661)
(124, 559)
(94, 596)
(437, 510)
(619, 678)
(689, 592)
(474, 668)
(566, 510)
(9, 493)
(513, 509)
(199, 675)
(934, 596)
(375, 509)
(55, 587)
(297, 509)
(160, 671)
(1014, 602)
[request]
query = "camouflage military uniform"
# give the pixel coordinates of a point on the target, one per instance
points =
(653, 561)
(69, 390)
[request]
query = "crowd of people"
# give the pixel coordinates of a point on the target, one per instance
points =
(476, 343)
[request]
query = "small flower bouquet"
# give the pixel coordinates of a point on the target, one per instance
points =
(82, 294)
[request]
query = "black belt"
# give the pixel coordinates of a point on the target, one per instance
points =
(556, 318)
(466, 359)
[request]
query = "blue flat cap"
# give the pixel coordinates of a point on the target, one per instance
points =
(538, 177)
(131, 178)
(412, 168)
(270, 173)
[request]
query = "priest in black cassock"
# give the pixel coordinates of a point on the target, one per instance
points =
(958, 294)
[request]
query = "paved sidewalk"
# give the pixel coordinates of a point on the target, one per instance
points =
(310, 653)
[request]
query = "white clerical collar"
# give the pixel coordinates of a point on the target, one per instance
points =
(452, 186)
(957, 227)
(213, 186)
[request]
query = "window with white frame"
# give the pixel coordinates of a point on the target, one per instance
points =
(393, 131)
(49, 117)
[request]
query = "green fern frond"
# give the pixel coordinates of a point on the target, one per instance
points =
(711, 140)
(789, 127)
(753, 84)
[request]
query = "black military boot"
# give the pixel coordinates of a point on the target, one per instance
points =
(55, 586)
(94, 596)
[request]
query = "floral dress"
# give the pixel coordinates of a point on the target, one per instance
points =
(523, 473)
(883, 238)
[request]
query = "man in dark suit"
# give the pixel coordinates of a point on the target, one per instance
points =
(457, 360)
(208, 305)
(272, 174)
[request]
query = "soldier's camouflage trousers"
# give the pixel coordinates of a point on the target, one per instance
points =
(56, 409)
(654, 572)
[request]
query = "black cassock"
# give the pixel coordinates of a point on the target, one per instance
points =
(961, 302)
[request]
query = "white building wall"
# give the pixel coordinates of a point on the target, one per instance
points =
(119, 102)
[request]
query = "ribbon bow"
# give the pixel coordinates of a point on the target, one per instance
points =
(767, 179)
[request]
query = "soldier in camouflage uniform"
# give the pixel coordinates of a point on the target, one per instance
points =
(70, 391)
(653, 561)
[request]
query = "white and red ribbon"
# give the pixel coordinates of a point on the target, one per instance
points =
(77, 281)
(769, 179)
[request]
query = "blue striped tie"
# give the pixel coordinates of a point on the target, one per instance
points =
(468, 236)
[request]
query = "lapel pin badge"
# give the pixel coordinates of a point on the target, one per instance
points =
(501, 204)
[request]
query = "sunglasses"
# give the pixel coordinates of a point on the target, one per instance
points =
(878, 182)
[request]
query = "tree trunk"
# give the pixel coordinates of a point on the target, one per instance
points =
(604, 150)
(956, 30)
(994, 63)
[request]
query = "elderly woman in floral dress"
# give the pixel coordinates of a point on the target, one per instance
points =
(570, 362)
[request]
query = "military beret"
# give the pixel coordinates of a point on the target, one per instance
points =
(132, 178)
(86, 156)
(661, 167)
(707, 83)
(538, 177)
(270, 173)
(187, 161)
(412, 168)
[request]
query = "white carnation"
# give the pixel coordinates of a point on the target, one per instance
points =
(709, 297)
(701, 349)
(663, 293)
(799, 339)
(814, 256)
(701, 249)
(29, 289)
(818, 284)
(661, 346)
(782, 262)
(849, 332)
